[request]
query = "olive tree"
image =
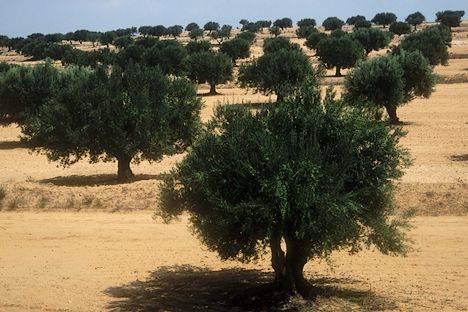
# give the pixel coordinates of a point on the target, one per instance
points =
(372, 39)
(275, 31)
(415, 19)
(307, 22)
(191, 26)
(362, 24)
(432, 42)
(23, 90)
(174, 31)
(354, 19)
(277, 72)
(283, 23)
(166, 54)
(384, 19)
(124, 116)
(299, 180)
(209, 67)
(305, 31)
(196, 33)
(198, 46)
(236, 48)
(390, 81)
(450, 18)
(332, 23)
(313, 39)
(342, 52)
(400, 28)
(211, 26)
(275, 44)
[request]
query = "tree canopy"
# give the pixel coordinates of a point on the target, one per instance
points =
(332, 23)
(384, 19)
(342, 52)
(308, 172)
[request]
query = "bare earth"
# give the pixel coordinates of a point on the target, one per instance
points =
(93, 261)
(73, 239)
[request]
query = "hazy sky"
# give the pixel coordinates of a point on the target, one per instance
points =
(22, 17)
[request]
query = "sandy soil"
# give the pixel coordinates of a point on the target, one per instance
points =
(54, 258)
(129, 262)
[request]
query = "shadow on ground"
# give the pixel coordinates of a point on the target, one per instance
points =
(188, 288)
(98, 179)
(9, 145)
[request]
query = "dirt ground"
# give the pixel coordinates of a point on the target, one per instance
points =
(73, 239)
(66, 261)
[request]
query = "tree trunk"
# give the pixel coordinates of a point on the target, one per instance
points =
(338, 71)
(213, 89)
(279, 97)
(289, 277)
(124, 171)
(392, 114)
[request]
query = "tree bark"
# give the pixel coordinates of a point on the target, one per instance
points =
(124, 171)
(213, 89)
(392, 114)
(289, 276)
(338, 71)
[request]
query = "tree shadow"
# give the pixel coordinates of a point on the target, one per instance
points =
(98, 179)
(460, 157)
(9, 145)
(188, 288)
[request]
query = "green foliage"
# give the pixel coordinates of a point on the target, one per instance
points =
(354, 19)
(131, 54)
(221, 34)
(415, 19)
(313, 40)
(198, 46)
(275, 31)
(400, 28)
(277, 72)
(211, 26)
(342, 52)
(305, 31)
(107, 38)
(252, 27)
(196, 33)
(4, 67)
(338, 33)
(247, 36)
(306, 22)
(271, 45)
(390, 81)
(209, 67)
(362, 24)
(384, 19)
(311, 172)
(123, 42)
(450, 18)
(132, 114)
(372, 39)
(174, 31)
(168, 55)
(332, 23)
(283, 23)
(432, 42)
(236, 48)
(23, 90)
(192, 26)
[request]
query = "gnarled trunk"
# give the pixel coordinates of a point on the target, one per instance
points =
(124, 171)
(338, 71)
(392, 114)
(213, 89)
(289, 276)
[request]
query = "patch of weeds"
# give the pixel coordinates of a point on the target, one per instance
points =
(429, 194)
(14, 203)
(87, 200)
(42, 202)
(98, 203)
(2, 193)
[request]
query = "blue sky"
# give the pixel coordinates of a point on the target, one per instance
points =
(22, 17)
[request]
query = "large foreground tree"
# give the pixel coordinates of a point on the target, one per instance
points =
(124, 116)
(301, 179)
